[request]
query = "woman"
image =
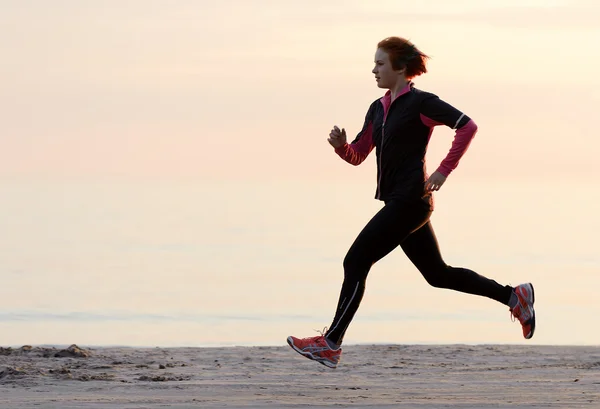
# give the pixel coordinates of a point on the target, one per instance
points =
(398, 126)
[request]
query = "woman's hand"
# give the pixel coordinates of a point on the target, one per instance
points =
(435, 181)
(337, 137)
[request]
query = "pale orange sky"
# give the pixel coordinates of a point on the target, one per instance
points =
(213, 91)
(249, 89)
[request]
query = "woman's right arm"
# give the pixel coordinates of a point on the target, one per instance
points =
(357, 151)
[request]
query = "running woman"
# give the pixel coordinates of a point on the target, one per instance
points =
(398, 126)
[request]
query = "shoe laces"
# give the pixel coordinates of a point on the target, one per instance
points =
(319, 337)
(517, 313)
(322, 332)
(514, 314)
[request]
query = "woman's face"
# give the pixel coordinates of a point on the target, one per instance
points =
(385, 75)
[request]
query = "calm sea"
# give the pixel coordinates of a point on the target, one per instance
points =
(223, 263)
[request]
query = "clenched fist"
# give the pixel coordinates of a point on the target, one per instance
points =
(337, 137)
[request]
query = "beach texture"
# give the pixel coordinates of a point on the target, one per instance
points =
(369, 376)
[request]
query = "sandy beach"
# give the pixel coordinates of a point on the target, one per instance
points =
(380, 376)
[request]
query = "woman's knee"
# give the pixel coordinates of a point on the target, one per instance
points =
(355, 266)
(437, 277)
(356, 255)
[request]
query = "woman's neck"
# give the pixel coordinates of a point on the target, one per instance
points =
(395, 90)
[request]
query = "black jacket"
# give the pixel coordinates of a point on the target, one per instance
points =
(400, 132)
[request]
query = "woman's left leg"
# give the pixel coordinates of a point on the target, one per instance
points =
(422, 249)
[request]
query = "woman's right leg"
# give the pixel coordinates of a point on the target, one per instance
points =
(384, 232)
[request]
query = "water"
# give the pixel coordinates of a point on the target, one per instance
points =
(224, 263)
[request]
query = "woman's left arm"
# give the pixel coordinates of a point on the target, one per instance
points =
(434, 112)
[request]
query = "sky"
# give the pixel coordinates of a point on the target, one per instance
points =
(240, 91)
(232, 90)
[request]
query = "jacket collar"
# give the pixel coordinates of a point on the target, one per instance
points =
(386, 100)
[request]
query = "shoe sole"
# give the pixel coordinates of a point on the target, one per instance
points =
(532, 319)
(308, 355)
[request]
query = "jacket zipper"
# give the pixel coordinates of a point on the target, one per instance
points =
(381, 160)
(381, 152)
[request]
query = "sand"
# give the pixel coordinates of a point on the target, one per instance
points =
(382, 376)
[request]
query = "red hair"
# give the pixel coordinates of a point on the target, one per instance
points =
(404, 54)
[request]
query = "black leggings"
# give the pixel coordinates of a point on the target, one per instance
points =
(408, 226)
